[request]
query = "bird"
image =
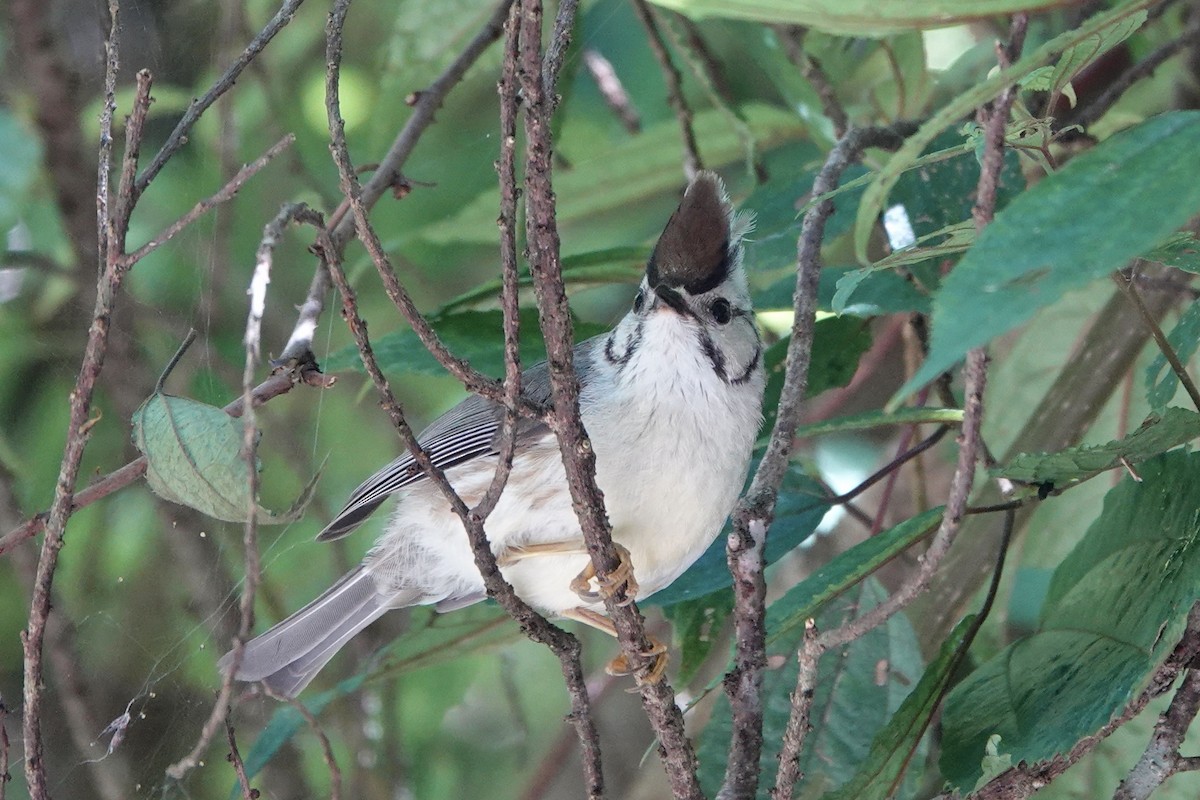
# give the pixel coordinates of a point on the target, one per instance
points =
(671, 399)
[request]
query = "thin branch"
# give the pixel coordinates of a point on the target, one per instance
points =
(1126, 285)
(225, 194)
(272, 235)
(612, 90)
(792, 38)
(753, 515)
(314, 725)
(794, 734)
(893, 465)
(711, 75)
(578, 455)
(425, 105)
(183, 129)
(1162, 759)
(5, 777)
(239, 766)
(78, 430)
(556, 49)
(692, 163)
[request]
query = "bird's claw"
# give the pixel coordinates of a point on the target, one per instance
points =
(658, 650)
(611, 585)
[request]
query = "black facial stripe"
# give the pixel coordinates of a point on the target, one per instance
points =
(715, 357)
(631, 346)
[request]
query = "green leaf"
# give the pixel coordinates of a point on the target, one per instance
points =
(1180, 250)
(477, 336)
(1115, 608)
(1066, 231)
(855, 17)
(876, 194)
(1161, 380)
(194, 457)
(799, 510)
(851, 703)
(1158, 434)
(882, 772)
(802, 601)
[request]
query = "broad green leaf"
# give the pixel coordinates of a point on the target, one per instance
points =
(194, 457)
(640, 167)
(1103, 208)
(1161, 380)
(875, 197)
(799, 510)
(1115, 608)
(477, 336)
(1157, 435)
(855, 17)
(802, 601)
(853, 700)
(881, 775)
(1181, 251)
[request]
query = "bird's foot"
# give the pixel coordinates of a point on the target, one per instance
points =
(658, 650)
(610, 586)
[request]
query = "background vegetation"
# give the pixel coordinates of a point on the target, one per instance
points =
(1084, 637)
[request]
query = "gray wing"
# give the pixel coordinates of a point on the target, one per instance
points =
(468, 431)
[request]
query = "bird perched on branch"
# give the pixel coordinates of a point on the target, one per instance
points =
(672, 401)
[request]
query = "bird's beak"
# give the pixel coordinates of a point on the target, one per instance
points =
(672, 299)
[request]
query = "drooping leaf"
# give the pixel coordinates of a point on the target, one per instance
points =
(1115, 608)
(1065, 232)
(194, 457)
(1184, 338)
(883, 771)
(18, 168)
(856, 17)
(802, 601)
(854, 699)
(1157, 435)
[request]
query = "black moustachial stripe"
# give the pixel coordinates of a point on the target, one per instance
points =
(621, 359)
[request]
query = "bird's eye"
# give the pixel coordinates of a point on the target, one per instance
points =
(721, 311)
(639, 302)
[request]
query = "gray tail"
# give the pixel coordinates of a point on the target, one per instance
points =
(291, 654)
